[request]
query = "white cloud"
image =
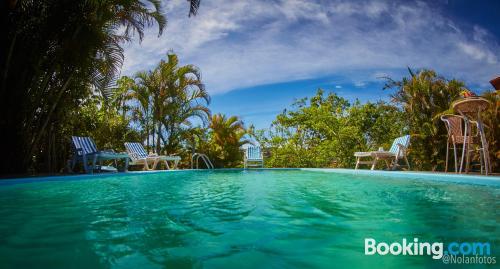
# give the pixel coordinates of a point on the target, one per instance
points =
(360, 84)
(295, 10)
(246, 43)
(478, 53)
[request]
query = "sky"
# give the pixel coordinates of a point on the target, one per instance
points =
(258, 56)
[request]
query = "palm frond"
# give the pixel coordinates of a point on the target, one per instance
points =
(193, 7)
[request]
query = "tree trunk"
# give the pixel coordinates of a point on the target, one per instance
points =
(171, 138)
(147, 131)
(38, 97)
(158, 129)
(153, 138)
(165, 143)
(7, 62)
(147, 137)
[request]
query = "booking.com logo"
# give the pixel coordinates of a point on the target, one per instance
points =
(455, 252)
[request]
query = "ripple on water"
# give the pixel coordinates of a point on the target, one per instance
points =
(234, 219)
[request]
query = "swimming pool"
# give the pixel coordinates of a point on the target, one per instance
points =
(234, 218)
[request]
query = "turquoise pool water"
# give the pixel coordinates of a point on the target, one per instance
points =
(237, 219)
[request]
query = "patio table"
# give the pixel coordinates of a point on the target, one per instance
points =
(110, 155)
(471, 108)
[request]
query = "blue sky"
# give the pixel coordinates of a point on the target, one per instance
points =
(257, 56)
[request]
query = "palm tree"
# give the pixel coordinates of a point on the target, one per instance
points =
(186, 98)
(226, 130)
(143, 105)
(227, 135)
(177, 96)
(122, 94)
(53, 56)
(56, 51)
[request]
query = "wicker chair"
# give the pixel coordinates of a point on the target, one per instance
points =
(458, 128)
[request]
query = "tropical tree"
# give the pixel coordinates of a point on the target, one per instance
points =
(121, 95)
(378, 122)
(143, 112)
(54, 55)
(491, 119)
(325, 131)
(424, 96)
(181, 97)
(227, 135)
(177, 97)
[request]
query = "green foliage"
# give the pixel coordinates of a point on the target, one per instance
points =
(424, 96)
(172, 96)
(325, 131)
(491, 119)
(121, 94)
(53, 52)
(162, 104)
(105, 125)
(221, 141)
(226, 136)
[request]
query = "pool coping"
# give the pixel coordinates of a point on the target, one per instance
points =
(434, 176)
(419, 175)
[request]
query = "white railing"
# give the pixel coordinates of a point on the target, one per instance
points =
(196, 157)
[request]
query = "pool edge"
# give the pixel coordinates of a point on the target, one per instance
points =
(446, 177)
(454, 178)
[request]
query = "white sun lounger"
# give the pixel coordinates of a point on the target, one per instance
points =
(398, 151)
(139, 156)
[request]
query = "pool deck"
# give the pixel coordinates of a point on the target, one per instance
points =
(434, 176)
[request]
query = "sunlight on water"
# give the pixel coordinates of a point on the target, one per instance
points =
(243, 219)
